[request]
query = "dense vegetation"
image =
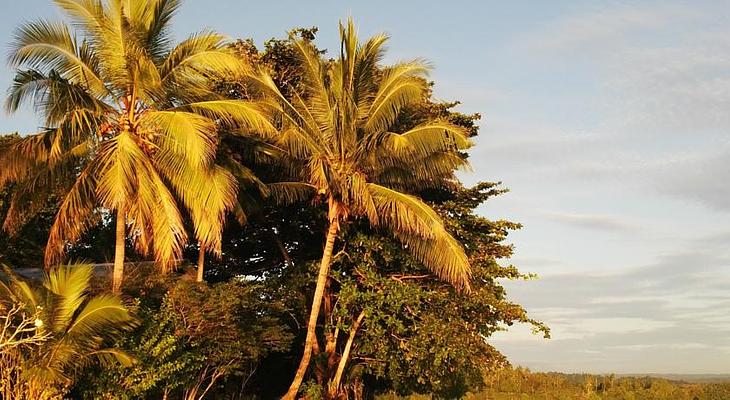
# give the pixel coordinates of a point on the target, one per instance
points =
(349, 261)
(521, 384)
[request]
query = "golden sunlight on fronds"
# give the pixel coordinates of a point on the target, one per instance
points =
(340, 129)
(132, 111)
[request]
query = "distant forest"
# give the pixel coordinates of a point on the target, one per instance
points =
(522, 384)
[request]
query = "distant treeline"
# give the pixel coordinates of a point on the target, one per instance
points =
(522, 384)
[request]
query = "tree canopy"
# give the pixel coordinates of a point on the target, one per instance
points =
(325, 185)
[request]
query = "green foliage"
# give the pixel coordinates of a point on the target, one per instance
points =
(283, 245)
(75, 325)
(523, 384)
(164, 362)
(199, 340)
(419, 334)
(337, 134)
(131, 126)
(243, 333)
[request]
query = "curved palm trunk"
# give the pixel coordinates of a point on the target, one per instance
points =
(335, 385)
(324, 269)
(118, 272)
(201, 263)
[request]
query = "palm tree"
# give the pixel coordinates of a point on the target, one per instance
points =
(73, 324)
(233, 187)
(339, 133)
(209, 205)
(130, 122)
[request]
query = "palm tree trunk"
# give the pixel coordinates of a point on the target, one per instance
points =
(334, 387)
(324, 269)
(201, 263)
(118, 272)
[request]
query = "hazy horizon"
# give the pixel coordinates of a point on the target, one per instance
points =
(609, 122)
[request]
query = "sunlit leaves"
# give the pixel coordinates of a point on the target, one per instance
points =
(51, 46)
(118, 161)
(234, 113)
(400, 85)
(75, 325)
(340, 129)
(129, 114)
(182, 133)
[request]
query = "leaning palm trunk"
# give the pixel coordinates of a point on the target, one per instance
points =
(118, 273)
(201, 263)
(324, 269)
(335, 384)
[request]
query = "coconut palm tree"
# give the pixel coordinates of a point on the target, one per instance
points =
(130, 123)
(210, 204)
(233, 187)
(73, 324)
(339, 133)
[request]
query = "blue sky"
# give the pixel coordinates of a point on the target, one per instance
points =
(608, 120)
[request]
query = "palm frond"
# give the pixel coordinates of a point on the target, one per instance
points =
(50, 45)
(111, 356)
(244, 175)
(360, 198)
(366, 70)
(85, 14)
(57, 99)
(70, 284)
(156, 218)
(39, 182)
(400, 85)
(74, 216)
(168, 230)
(419, 227)
(402, 212)
(20, 289)
(418, 173)
(19, 156)
(201, 52)
(287, 193)
(441, 254)
(98, 315)
(234, 113)
(209, 202)
(158, 25)
(118, 161)
(182, 133)
(317, 82)
(298, 144)
(427, 139)
(74, 325)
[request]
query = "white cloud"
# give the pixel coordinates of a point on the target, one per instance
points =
(598, 222)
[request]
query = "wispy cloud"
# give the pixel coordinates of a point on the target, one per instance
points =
(700, 178)
(677, 305)
(592, 221)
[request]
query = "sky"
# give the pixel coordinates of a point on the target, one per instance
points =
(609, 121)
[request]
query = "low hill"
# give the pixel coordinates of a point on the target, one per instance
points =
(689, 378)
